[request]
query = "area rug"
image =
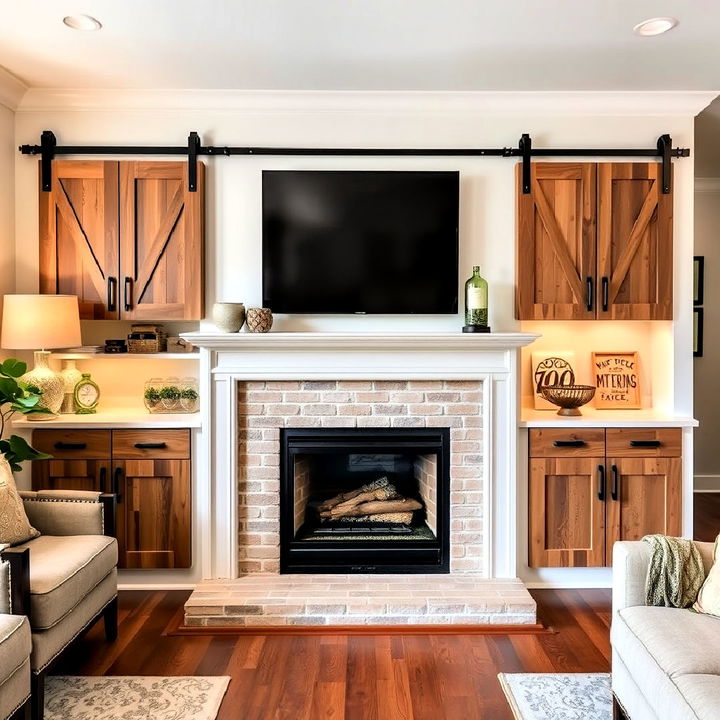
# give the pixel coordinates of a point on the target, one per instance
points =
(558, 696)
(134, 698)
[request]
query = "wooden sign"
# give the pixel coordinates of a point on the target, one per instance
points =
(551, 368)
(617, 378)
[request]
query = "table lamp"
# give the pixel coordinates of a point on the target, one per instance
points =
(41, 321)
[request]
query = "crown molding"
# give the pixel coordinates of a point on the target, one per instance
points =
(618, 104)
(707, 185)
(12, 89)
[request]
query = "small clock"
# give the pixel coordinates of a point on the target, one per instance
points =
(86, 396)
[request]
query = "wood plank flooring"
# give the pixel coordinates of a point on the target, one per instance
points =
(361, 677)
(707, 516)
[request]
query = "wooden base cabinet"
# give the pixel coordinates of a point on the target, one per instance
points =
(579, 506)
(149, 471)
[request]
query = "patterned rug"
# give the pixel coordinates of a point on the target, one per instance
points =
(558, 696)
(134, 698)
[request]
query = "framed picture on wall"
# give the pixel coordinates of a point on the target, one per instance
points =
(698, 332)
(617, 379)
(698, 279)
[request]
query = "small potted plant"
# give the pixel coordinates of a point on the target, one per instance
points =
(170, 398)
(189, 395)
(151, 396)
(17, 396)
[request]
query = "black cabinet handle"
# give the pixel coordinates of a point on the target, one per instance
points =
(70, 446)
(605, 293)
(601, 482)
(151, 445)
(590, 299)
(646, 443)
(616, 483)
(569, 443)
(128, 293)
(117, 476)
(103, 480)
(112, 294)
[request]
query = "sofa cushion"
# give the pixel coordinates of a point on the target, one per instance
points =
(15, 644)
(15, 527)
(702, 694)
(63, 570)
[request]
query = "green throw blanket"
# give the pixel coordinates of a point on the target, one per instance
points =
(675, 573)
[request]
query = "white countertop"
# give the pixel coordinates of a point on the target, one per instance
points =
(604, 418)
(110, 419)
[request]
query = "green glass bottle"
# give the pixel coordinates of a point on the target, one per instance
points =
(476, 303)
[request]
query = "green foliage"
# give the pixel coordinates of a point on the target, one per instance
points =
(152, 395)
(189, 394)
(170, 392)
(17, 396)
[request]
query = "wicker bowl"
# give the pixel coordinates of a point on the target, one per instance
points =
(568, 397)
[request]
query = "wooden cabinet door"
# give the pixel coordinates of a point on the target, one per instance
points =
(635, 247)
(556, 244)
(90, 475)
(79, 236)
(153, 513)
(567, 512)
(644, 497)
(161, 241)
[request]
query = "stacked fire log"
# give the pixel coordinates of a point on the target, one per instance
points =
(376, 502)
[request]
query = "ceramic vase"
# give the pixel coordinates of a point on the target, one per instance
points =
(71, 376)
(228, 317)
(48, 382)
(259, 320)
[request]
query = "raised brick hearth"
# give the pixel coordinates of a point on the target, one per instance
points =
(265, 407)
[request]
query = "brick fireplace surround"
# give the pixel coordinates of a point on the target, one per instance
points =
(260, 384)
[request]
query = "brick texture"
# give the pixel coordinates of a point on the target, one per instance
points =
(265, 407)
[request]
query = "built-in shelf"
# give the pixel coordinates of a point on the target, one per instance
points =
(120, 418)
(604, 418)
(126, 356)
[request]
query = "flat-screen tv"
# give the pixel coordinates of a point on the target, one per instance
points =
(360, 242)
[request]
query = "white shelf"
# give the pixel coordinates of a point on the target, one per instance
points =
(121, 418)
(592, 417)
(125, 356)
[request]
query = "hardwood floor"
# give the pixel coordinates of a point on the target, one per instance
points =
(361, 677)
(707, 516)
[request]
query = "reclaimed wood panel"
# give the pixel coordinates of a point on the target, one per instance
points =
(643, 442)
(172, 444)
(563, 442)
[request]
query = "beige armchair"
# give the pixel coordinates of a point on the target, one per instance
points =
(66, 579)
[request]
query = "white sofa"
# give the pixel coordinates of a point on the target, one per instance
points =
(665, 661)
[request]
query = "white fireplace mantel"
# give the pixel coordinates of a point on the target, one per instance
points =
(230, 358)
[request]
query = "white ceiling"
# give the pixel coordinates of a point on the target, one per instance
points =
(363, 44)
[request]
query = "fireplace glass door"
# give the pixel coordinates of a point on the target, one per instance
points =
(364, 500)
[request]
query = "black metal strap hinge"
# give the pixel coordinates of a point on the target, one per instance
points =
(48, 143)
(525, 147)
(664, 146)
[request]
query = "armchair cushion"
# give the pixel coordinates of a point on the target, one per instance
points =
(64, 512)
(15, 644)
(63, 570)
(15, 528)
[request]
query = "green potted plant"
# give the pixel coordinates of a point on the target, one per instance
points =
(17, 396)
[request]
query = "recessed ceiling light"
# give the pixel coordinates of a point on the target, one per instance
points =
(82, 22)
(655, 26)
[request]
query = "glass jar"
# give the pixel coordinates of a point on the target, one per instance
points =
(189, 396)
(151, 394)
(170, 395)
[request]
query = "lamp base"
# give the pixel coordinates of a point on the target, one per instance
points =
(47, 381)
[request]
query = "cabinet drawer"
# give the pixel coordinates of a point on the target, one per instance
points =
(73, 444)
(134, 444)
(565, 442)
(644, 442)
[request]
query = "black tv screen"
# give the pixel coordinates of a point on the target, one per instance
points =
(360, 242)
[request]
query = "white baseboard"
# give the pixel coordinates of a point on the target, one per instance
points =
(706, 483)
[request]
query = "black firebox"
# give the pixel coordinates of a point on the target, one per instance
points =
(365, 500)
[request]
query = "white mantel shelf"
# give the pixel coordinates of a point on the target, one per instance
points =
(359, 341)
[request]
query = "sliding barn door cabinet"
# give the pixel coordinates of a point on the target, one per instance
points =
(126, 238)
(591, 487)
(594, 241)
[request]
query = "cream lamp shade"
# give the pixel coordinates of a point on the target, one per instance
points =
(32, 322)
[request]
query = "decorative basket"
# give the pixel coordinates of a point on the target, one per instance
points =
(147, 339)
(568, 397)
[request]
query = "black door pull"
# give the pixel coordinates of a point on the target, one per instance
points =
(103, 480)
(605, 293)
(601, 482)
(151, 445)
(645, 443)
(70, 445)
(112, 294)
(128, 294)
(616, 483)
(117, 476)
(569, 443)
(590, 299)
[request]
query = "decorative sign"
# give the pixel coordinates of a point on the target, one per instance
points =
(617, 378)
(551, 368)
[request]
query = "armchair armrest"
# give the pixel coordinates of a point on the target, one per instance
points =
(70, 512)
(15, 568)
(630, 566)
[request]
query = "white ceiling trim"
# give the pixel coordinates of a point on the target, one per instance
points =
(615, 104)
(12, 89)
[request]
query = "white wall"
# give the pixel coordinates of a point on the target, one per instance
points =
(7, 200)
